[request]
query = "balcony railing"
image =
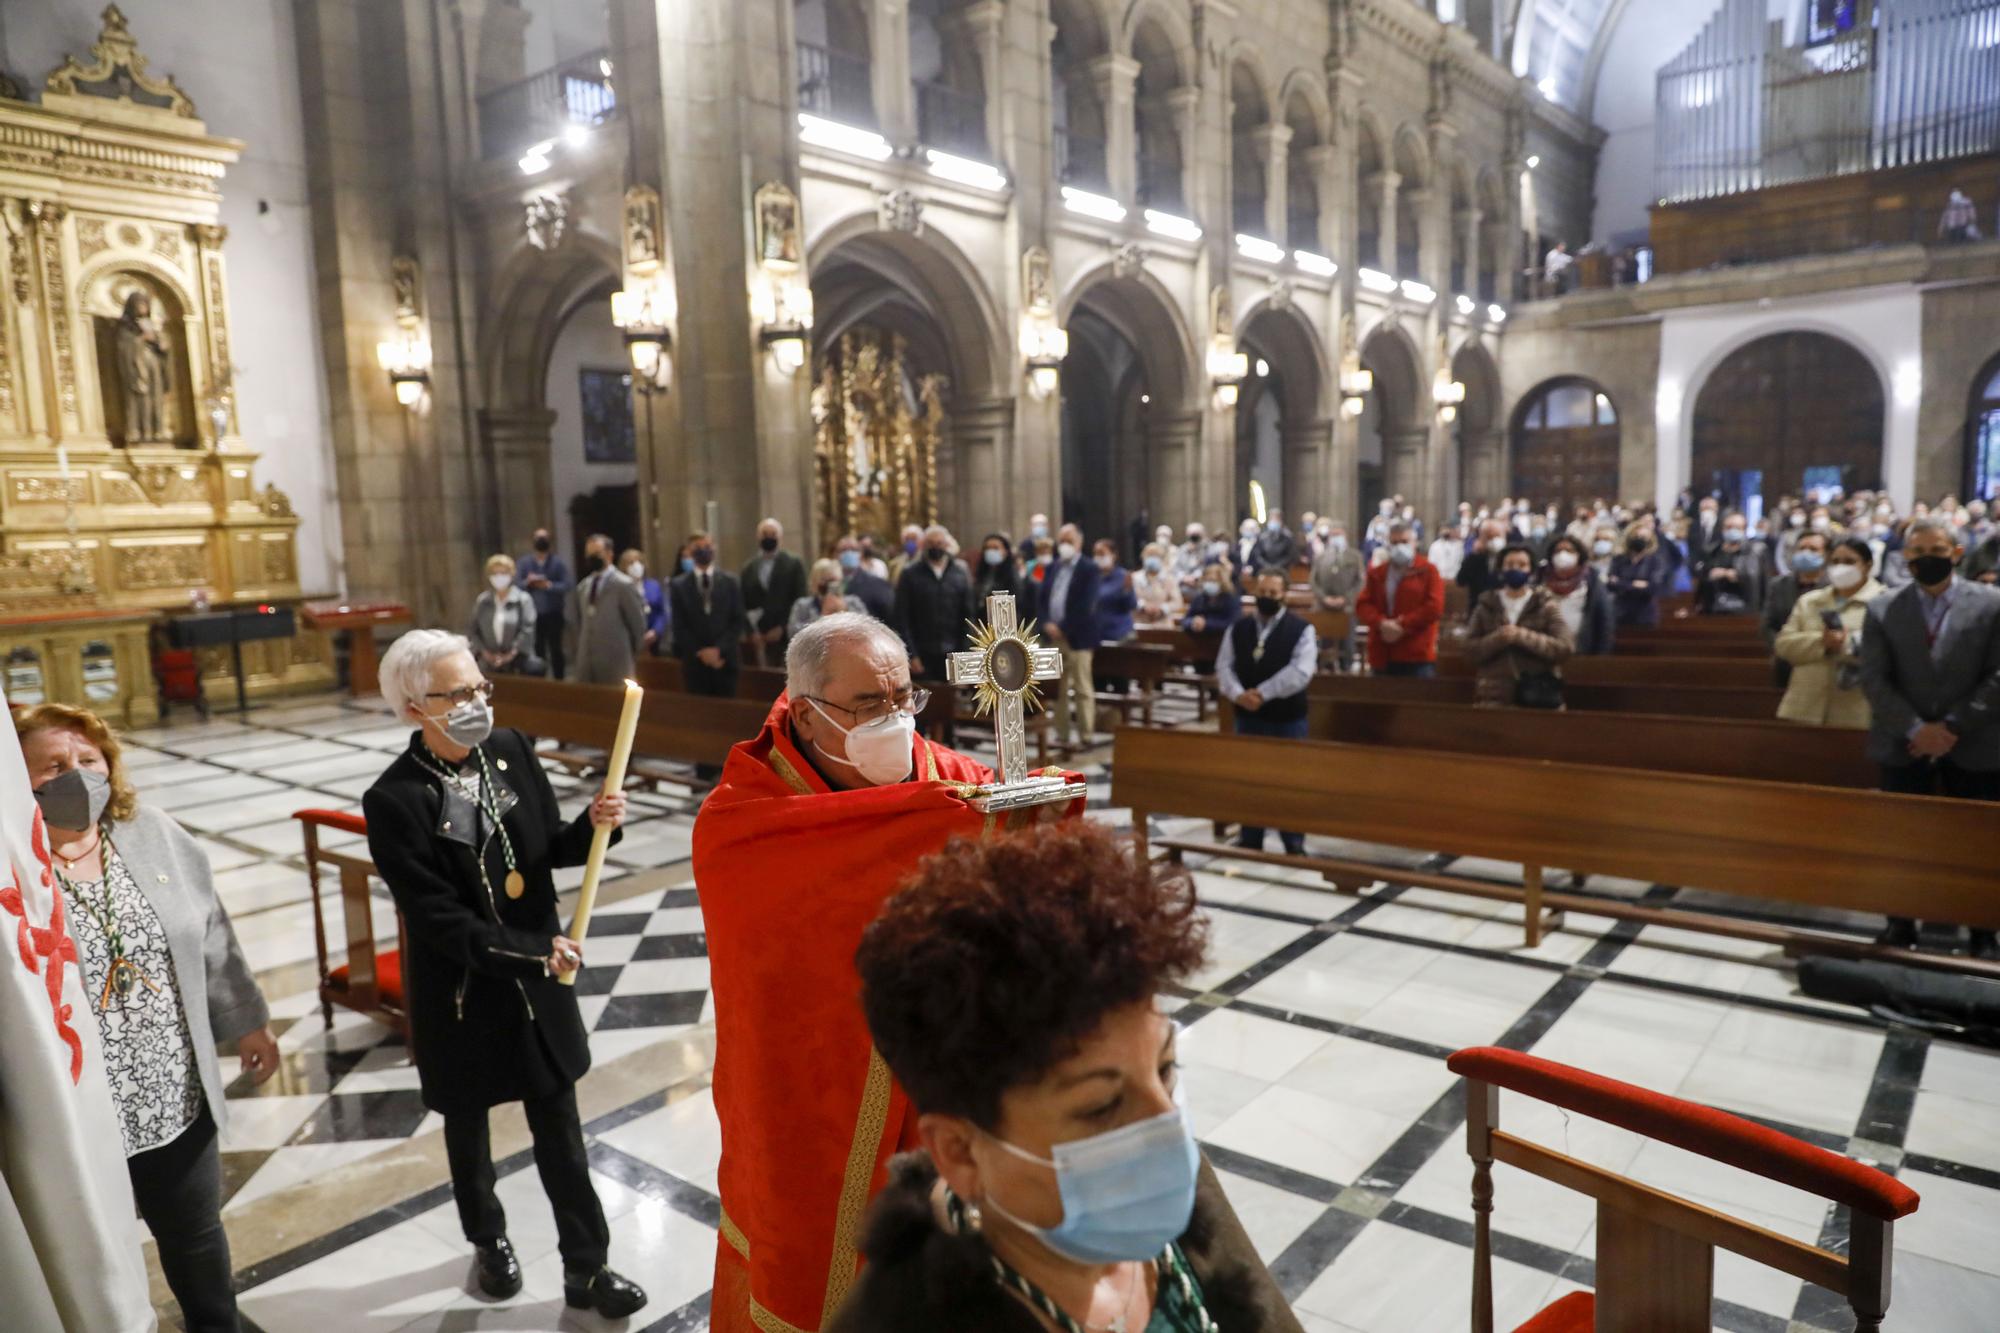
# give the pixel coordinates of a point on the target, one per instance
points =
(1794, 233)
(543, 105)
(1080, 161)
(835, 86)
(951, 121)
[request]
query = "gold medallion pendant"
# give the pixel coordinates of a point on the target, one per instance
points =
(516, 886)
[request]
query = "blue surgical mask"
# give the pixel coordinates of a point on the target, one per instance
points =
(1152, 564)
(687, 564)
(1808, 562)
(1126, 1195)
(994, 555)
(1211, 589)
(850, 560)
(1515, 578)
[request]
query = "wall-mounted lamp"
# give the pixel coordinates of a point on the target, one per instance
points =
(1355, 383)
(1044, 344)
(782, 306)
(1227, 369)
(644, 312)
(1447, 393)
(407, 359)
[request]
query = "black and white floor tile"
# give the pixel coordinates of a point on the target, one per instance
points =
(1313, 1058)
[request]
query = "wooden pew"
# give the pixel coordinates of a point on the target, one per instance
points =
(1729, 673)
(1143, 666)
(1686, 702)
(1860, 851)
(1743, 649)
(1767, 751)
(690, 728)
(1191, 658)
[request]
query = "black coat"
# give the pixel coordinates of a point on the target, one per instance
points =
(487, 1024)
(722, 625)
(931, 609)
(922, 1279)
(788, 584)
(875, 594)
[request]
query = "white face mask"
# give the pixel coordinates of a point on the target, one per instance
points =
(635, 571)
(1844, 577)
(1403, 552)
(1107, 562)
(1564, 560)
(879, 750)
(500, 582)
(1065, 550)
(1496, 544)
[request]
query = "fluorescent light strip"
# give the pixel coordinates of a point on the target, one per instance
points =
(1259, 249)
(1496, 314)
(1416, 291)
(1092, 205)
(1172, 226)
(1375, 280)
(965, 171)
(843, 138)
(1317, 265)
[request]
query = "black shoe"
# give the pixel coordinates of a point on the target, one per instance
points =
(604, 1291)
(1900, 933)
(499, 1270)
(1986, 946)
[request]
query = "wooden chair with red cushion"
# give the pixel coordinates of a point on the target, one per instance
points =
(369, 982)
(1656, 1251)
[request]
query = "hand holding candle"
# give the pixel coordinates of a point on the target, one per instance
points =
(600, 839)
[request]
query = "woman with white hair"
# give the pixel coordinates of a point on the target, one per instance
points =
(465, 831)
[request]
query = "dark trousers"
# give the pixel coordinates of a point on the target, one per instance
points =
(178, 1187)
(717, 683)
(1415, 670)
(1941, 777)
(582, 1234)
(1250, 724)
(549, 642)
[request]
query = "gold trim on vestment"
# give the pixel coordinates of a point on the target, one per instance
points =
(771, 1323)
(761, 1317)
(868, 1127)
(784, 769)
(734, 1235)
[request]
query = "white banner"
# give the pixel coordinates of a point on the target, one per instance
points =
(70, 1257)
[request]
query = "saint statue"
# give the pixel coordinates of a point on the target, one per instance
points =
(142, 370)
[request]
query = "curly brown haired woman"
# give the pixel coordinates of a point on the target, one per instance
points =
(1011, 987)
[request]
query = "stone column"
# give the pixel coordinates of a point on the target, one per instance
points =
(984, 25)
(1466, 226)
(1404, 455)
(988, 495)
(1419, 198)
(1308, 464)
(517, 440)
(889, 70)
(1173, 445)
(1484, 464)
(1116, 77)
(1272, 141)
(1499, 237)
(1323, 165)
(1381, 188)
(1183, 106)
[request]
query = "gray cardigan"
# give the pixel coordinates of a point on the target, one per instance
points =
(218, 993)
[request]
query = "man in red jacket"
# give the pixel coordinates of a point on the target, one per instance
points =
(1401, 606)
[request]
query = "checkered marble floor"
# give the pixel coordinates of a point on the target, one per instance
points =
(1313, 1058)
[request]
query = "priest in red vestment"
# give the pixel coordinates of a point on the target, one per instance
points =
(815, 824)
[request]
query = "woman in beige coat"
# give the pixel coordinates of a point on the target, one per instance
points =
(1825, 688)
(1516, 629)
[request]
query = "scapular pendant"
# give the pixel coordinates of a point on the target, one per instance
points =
(516, 886)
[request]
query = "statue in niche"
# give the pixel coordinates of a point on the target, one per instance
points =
(143, 370)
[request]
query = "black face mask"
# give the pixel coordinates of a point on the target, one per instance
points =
(1514, 578)
(935, 554)
(1270, 606)
(1636, 545)
(542, 545)
(1931, 570)
(767, 544)
(704, 556)
(593, 564)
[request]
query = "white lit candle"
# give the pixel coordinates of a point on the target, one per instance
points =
(600, 840)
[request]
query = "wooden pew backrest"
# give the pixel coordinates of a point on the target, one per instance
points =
(687, 727)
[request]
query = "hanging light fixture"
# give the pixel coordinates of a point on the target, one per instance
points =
(643, 313)
(1044, 344)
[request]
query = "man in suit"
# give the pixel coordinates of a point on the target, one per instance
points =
(856, 581)
(772, 581)
(1243, 555)
(1069, 617)
(1276, 547)
(1930, 666)
(1480, 573)
(545, 576)
(1401, 604)
(933, 602)
(1337, 578)
(606, 618)
(707, 623)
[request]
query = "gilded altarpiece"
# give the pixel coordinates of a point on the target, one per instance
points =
(125, 485)
(877, 432)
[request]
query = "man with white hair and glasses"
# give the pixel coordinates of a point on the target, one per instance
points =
(815, 823)
(464, 829)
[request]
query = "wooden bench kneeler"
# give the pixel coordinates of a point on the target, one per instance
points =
(1655, 1262)
(369, 982)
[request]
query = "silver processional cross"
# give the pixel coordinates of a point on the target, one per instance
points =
(1003, 666)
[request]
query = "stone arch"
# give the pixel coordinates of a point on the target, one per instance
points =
(1171, 22)
(1394, 428)
(1981, 471)
(1285, 410)
(532, 292)
(1481, 441)
(1080, 34)
(1566, 437)
(1137, 447)
(1156, 118)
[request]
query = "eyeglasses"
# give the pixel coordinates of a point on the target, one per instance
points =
(464, 695)
(911, 703)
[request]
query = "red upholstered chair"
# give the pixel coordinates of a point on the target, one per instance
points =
(1656, 1251)
(368, 982)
